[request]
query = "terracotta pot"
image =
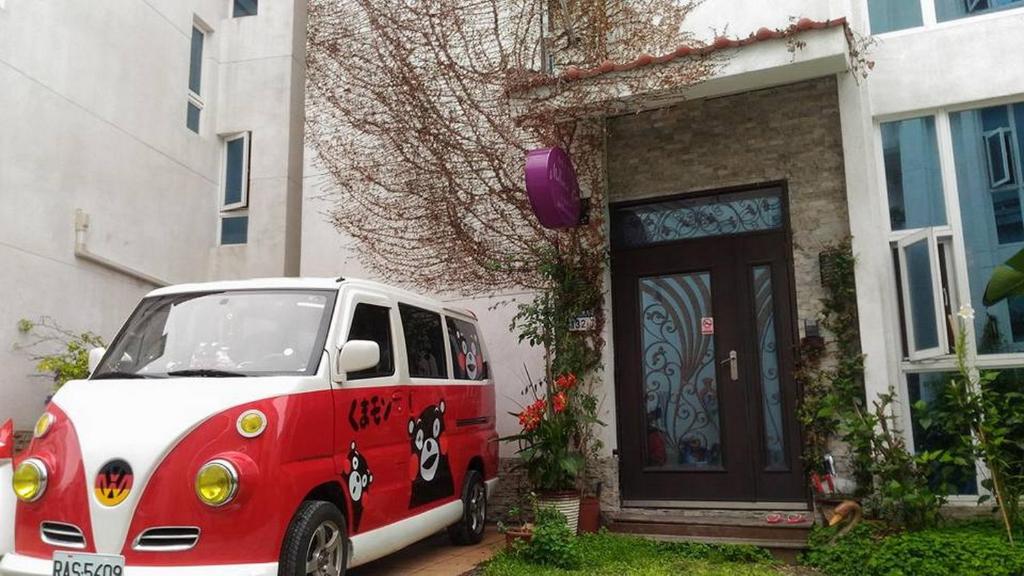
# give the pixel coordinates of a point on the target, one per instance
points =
(590, 515)
(568, 503)
(514, 535)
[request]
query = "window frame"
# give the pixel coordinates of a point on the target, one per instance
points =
(928, 236)
(235, 15)
(929, 17)
(243, 202)
(192, 97)
(220, 228)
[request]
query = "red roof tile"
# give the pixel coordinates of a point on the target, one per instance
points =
(572, 73)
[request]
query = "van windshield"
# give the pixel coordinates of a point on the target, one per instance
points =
(232, 333)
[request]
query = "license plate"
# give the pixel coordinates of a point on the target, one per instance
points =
(65, 564)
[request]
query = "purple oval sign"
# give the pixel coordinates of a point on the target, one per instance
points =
(553, 188)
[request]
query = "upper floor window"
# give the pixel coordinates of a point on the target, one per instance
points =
(195, 79)
(236, 172)
(912, 174)
(891, 15)
(953, 9)
(244, 8)
(987, 148)
(424, 342)
(235, 194)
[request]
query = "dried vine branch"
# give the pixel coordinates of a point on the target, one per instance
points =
(415, 111)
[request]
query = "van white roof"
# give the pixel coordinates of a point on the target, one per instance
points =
(307, 284)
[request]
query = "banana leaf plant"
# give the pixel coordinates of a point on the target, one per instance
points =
(1007, 280)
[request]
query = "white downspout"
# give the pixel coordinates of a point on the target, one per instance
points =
(82, 252)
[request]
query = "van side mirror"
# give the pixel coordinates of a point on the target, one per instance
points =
(356, 355)
(95, 356)
(7, 440)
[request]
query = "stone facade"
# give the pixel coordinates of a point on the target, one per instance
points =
(790, 133)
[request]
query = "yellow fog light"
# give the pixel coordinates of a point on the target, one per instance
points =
(29, 480)
(44, 424)
(217, 483)
(252, 423)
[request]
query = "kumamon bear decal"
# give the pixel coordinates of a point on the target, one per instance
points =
(433, 475)
(358, 478)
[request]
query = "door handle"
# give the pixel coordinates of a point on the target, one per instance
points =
(396, 400)
(734, 365)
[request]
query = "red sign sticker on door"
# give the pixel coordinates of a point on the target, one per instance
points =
(707, 326)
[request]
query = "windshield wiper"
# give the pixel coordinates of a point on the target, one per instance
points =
(207, 373)
(114, 375)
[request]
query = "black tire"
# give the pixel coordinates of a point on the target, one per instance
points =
(310, 538)
(470, 529)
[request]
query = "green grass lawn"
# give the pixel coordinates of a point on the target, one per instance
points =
(619, 555)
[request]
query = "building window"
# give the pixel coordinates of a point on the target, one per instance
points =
(236, 172)
(952, 9)
(912, 173)
(986, 152)
(195, 80)
(924, 294)
(892, 15)
(925, 393)
(244, 8)
(234, 230)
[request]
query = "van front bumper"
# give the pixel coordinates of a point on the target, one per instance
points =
(17, 565)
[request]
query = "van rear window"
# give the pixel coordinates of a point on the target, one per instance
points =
(424, 342)
(467, 355)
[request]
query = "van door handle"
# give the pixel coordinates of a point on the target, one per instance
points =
(396, 400)
(734, 365)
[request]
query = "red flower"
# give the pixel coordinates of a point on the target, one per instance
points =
(531, 416)
(560, 401)
(565, 381)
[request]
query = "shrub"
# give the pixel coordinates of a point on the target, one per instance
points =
(553, 544)
(957, 550)
(68, 357)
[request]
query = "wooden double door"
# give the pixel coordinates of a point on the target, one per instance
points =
(704, 339)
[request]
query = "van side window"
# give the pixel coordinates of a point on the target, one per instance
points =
(467, 355)
(424, 342)
(371, 322)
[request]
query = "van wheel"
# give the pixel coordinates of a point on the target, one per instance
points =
(316, 543)
(470, 530)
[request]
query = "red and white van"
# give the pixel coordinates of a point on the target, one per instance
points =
(264, 427)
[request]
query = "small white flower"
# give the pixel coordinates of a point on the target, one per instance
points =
(966, 312)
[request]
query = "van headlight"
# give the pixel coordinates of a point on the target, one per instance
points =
(43, 425)
(29, 481)
(217, 483)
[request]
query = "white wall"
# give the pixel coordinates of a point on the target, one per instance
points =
(92, 112)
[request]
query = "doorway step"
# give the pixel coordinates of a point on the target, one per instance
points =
(784, 540)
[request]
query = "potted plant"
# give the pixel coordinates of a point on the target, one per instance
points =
(552, 443)
(518, 529)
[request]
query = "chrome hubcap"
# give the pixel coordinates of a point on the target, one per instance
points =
(477, 508)
(325, 551)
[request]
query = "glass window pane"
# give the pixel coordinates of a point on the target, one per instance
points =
(245, 8)
(234, 179)
(929, 388)
(467, 354)
(424, 342)
(922, 296)
(195, 63)
(890, 15)
(234, 230)
(990, 210)
(679, 372)
(373, 323)
(192, 117)
(688, 218)
(912, 174)
(953, 9)
(768, 362)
